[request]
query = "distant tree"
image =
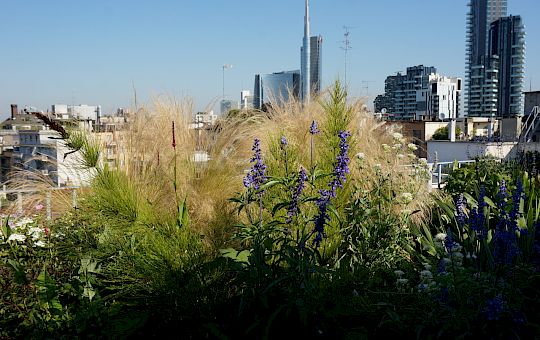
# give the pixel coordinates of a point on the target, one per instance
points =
(442, 133)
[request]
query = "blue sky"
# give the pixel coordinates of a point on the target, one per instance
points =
(92, 52)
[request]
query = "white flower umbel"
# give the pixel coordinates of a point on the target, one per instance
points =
(399, 272)
(412, 147)
(361, 156)
(397, 136)
(35, 233)
(426, 274)
(39, 244)
(17, 237)
(440, 237)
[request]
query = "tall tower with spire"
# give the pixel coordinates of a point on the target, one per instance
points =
(306, 60)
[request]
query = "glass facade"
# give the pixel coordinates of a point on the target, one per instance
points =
(276, 88)
(487, 58)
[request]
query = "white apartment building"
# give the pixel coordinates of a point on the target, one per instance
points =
(441, 98)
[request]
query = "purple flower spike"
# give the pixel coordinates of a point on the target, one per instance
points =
(321, 219)
(314, 128)
(296, 195)
(340, 171)
(257, 174)
(342, 160)
(283, 141)
(461, 202)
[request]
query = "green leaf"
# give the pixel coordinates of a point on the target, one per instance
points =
(6, 229)
(490, 202)
(237, 256)
(269, 184)
(20, 274)
(280, 206)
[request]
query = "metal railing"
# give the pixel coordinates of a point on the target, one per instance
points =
(530, 125)
(441, 170)
(48, 198)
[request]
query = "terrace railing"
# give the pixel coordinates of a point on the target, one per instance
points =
(530, 125)
(19, 193)
(441, 170)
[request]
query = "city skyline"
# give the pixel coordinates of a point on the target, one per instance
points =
(97, 53)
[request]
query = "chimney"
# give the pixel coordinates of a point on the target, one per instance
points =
(452, 130)
(13, 110)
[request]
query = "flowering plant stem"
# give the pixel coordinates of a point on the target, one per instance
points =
(175, 183)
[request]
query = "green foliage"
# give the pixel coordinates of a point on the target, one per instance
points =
(115, 196)
(442, 133)
(338, 118)
(375, 237)
(486, 172)
(88, 148)
(121, 266)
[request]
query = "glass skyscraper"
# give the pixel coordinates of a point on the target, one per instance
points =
(315, 63)
(495, 58)
(276, 88)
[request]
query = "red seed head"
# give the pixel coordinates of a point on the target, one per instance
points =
(173, 136)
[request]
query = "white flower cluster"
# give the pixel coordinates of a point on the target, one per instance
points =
(25, 230)
(397, 136)
(17, 237)
(400, 281)
(426, 279)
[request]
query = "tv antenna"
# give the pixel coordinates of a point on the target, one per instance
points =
(365, 85)
(346, 47)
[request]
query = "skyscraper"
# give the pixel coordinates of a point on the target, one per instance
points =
(495, 57)
(481, 14)
(306, 60)
(315, 65)
(507, 47)
(276, 88)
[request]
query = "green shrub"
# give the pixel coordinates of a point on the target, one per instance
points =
(442, 133)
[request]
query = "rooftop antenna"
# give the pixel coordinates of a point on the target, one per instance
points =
(366, 86)
(346, 47)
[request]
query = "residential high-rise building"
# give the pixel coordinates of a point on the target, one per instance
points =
(385, 101)
(420, 94)
(276, 88)
(403, 91)
(495, 58)
(305, 60)
(507, 45)
(481, 14)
